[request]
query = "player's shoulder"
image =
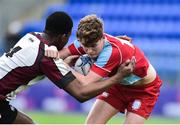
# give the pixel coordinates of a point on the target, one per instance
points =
(30, 45)
(110, 48)
(110, 37)
(108, 55)
(29, 38)
(113, 41)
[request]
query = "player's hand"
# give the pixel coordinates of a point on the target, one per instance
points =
(70, 60)
(127, 67)
(52, 52)
(125, 38)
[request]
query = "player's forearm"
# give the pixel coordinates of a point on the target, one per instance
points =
(64, 53)
(81, 78)
(85, 91)
(93, 89)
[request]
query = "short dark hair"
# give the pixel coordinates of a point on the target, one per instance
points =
(58, 23)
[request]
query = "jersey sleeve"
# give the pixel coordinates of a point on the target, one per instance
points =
(57, 71)
(106, 62)
(76, 49)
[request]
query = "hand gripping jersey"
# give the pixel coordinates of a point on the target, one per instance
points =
(114, 53)
(25, 64)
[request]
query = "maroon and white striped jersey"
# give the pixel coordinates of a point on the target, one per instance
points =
(26, 62)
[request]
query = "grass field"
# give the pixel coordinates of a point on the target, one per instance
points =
(75, 118)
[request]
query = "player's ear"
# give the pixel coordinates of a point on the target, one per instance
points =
(65, 37)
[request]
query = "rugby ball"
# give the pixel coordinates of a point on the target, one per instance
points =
(83, 64)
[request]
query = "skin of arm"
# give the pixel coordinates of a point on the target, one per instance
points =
(89, 78)
(64, 53)
(83, 90)
(79, 89)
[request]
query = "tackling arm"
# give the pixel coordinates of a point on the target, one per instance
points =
(85, 91)
(64, 53)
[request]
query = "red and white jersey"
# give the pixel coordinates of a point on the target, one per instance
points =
(25, 62)
(114, 53)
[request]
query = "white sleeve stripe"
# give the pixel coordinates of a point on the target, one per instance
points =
(63, 68)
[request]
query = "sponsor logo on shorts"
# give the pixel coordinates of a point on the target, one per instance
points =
(105, 94)
(136, 104)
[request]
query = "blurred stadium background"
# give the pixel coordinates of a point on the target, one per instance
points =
(154, 26)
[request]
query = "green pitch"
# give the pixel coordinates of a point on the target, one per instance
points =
(75, 118)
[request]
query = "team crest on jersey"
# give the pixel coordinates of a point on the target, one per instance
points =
(105, 94)
(136, 105)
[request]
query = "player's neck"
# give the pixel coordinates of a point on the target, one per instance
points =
(46, 37)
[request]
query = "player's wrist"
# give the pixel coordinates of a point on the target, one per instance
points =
(116, 78)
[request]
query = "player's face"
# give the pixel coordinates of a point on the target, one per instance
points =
(94, 51)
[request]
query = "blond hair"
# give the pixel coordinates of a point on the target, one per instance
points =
(90, 30)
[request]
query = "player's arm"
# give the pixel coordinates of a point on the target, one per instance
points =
(64, 53)
(63, 78)
(83, 91)
(73, 49)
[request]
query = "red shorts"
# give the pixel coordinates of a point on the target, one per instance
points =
(136, 99)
